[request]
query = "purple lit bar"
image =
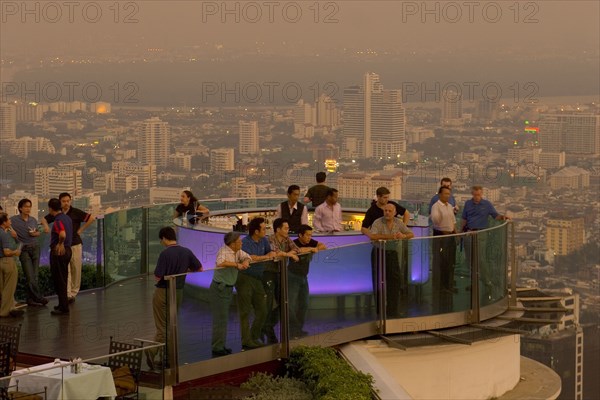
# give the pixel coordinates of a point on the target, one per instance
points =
(339, 270)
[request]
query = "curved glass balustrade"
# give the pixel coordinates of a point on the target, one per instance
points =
(354, 289)
(348, 292)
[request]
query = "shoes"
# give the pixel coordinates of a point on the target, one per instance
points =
(16, 313)
(222, 352)
(299, 334)
(37, 303)
(58, 311)
(270, 334)
(252, 345)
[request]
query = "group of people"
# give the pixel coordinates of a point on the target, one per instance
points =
(19, 238)
(251, 264)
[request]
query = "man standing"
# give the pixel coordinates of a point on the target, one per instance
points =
(475, 217)
(293, 211)
(8, 269)
(444, 249)
(317, 193)
(173, 260)
(78, 217)
(230, 259)
(376, 210)
(60, 254)
(284, 247)
(392, 229)
(251, 293)
(445, 182)
(26, 228)
(328, 216)
(298, 280)
(477, 210)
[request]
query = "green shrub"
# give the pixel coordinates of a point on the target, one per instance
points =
(90, 279)
(328, 376)
(268, 387)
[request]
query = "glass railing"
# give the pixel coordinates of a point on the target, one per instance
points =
(124, 244)
(120, 374)
(337, 295)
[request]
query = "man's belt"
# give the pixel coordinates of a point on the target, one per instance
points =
(437, 232)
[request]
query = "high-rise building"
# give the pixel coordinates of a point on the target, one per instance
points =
(363, 186)
(564, 235)
(24, 146)
(327, 112)
(181, 161)
(155, 142)
(549, 160)
(50, 181)
(8, 121)
(451, 108)
(145, 174)
(487, 110)
(374, 120)
(221, 160)
(570, 132)
(249, 143)
(29, 112)
(570, 178)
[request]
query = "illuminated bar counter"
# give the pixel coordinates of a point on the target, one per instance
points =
(326, 277)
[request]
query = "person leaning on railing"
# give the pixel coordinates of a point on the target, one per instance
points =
(173, 260)
(230, 259)
(392, 229)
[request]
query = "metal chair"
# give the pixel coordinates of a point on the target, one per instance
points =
(125, 368)
(12, 334)
(5, 370)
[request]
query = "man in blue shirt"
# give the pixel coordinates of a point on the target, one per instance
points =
(26, 227)
(173, 260)
(477, 210)
(475, 217)
(61, 237)
(445, 182)
(251, 293)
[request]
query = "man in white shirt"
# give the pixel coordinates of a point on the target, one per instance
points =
(444, 250)
(328, 216)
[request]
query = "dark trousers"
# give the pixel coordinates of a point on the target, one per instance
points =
(443, 262)
(30, 262)
(220, 296)
(273, 290)
(59, 268)
(395, 280)
(298, 302)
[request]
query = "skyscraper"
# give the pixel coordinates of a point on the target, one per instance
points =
(374, 120)
(155, 142)
(8, 121)
(221, 160)
(451, 108)
(564, 235)
(249, 137)
(570, 132)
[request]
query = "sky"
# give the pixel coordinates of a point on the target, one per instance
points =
(552, 43)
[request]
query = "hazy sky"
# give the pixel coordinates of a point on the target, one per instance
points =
(552, 43)
(568, 25)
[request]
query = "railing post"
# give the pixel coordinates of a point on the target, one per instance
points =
(172, 349)
(283, 308)
(144, 243)
(513, 267)
(381, 287)
(475, 304)
(100, 273)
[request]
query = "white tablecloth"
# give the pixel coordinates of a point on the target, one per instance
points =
(92, 382)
